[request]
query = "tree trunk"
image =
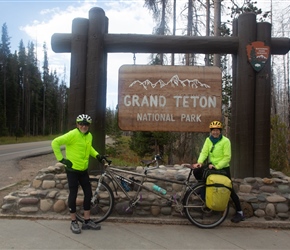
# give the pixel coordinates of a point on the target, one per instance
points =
(217, 30)
(174, 29)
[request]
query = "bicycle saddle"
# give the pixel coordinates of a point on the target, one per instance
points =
(148, 162)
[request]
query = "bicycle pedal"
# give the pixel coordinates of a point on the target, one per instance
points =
(128, 208)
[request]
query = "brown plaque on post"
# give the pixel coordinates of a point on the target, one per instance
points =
(168, 98)
(258, 54)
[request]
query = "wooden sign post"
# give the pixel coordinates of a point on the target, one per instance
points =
(168, 108)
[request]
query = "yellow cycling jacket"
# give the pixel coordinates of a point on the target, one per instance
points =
(219, 154)
(78, 148)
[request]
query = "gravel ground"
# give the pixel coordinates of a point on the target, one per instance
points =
(21, 173)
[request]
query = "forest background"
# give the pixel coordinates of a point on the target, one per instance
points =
(33, 100)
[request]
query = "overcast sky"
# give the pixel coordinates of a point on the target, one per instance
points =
(38, 20)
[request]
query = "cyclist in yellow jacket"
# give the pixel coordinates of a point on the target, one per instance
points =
(217, 148)
(78, 143)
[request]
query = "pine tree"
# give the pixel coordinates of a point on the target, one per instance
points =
(4, 54)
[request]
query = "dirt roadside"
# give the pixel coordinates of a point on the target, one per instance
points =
(16, 175)
(24, 173)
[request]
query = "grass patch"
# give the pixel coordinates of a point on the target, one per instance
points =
(121, 154)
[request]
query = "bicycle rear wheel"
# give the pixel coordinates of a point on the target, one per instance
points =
(102, 202)
(196, 210)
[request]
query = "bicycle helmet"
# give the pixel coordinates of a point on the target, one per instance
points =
(216, 124)
(84, 118)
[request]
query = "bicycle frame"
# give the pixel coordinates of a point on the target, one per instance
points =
(188, 200)
(115, 174)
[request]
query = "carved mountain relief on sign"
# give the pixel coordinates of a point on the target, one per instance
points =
(174, 81)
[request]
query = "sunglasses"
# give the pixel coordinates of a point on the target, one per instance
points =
(83, 123)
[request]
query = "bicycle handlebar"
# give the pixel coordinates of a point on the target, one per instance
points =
(107, 160)
(145, 162)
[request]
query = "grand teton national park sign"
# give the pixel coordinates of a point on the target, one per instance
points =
(168, 98)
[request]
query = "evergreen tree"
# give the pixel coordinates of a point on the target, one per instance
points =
(160, 11)
(12, 90)
(62, 107)
(45, 83)
(4, 55)
(37, 105)
(279, 149)
(34, 79)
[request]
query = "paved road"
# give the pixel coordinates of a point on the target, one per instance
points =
(16, 151)
(55, 234)
(11, 154)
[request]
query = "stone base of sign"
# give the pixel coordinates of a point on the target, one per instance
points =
(46, 196)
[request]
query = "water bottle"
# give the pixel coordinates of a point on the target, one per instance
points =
(159, 189)
(125, 186)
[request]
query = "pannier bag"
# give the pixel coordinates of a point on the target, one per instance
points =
(218, 192)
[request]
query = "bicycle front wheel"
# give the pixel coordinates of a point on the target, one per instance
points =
(102, 202)
(196, 210)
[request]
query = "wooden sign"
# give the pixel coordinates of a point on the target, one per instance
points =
(168, 98)
(258, 54)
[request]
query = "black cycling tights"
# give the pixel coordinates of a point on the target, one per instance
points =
(74, 180)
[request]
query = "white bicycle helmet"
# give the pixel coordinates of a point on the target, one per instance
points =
(84, 118)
